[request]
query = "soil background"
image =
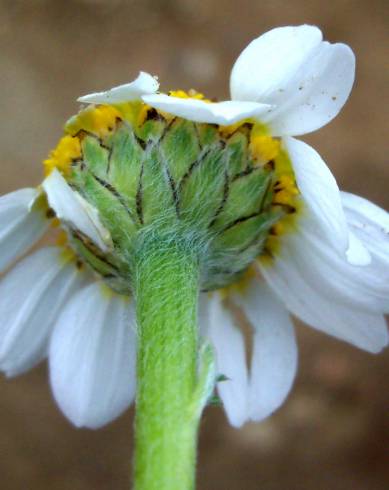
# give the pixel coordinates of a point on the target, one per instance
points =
(333, 431)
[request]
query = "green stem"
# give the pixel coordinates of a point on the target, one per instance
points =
(168, 404)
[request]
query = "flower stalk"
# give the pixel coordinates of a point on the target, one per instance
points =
(168, 403)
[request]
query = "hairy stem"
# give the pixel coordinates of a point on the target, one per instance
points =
(166, 420)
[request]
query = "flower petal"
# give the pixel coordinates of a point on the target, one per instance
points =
(357, 253)
(274, 361)
(321, 298)
(308, 80)
(142, 85)
(356, 286)
(320, 192)
(92, 357)
(370, 224)
(21, 224)
(230, 360)
(32, 294)
(264, 65)
(224, 113)
(73, 209)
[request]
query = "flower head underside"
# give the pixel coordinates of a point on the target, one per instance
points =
(258, 209)
(226, 190)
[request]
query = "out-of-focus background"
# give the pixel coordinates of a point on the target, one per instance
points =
(333, 431)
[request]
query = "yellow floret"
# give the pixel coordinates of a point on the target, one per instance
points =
(67, 255)
(278, 228)
(67, 150)
(134, 112)
(285, 194)
(62, 239)
(55, 223)
(286, 182)
(226, 131)
(242, 285)
(264, 148)
(191, 94)
(99, 120)
(285, 197)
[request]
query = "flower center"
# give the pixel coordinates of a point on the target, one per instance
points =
(227, 192)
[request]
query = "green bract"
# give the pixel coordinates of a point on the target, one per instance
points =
(179, 180)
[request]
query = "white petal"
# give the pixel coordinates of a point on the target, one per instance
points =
(92, 357)
(333, 276)
(369, 212)
(73, 209)
(265, 64)
(290, 67)
(292, 281)
(21, 224)
(142, 85)
(224, 113)
(357, 253)
(230, 360)
(320, 192)
(31, 296)
(370, 224)
(274, 362)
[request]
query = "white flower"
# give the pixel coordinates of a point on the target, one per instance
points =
(331, 270)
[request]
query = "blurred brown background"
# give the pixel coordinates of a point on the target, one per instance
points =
(333, 432)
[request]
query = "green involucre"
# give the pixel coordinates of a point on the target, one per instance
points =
(180, 180)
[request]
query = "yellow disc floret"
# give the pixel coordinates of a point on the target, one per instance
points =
(264, 148)
(67, 151)
(285, 190)
(190, 94)
(227, 131)
(286, 196)
(99, 120)
(242, 285)
(62, 239)
(134, 112)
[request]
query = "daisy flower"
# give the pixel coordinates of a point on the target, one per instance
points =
(174, 208)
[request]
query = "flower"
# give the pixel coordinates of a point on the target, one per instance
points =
(278, 236)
